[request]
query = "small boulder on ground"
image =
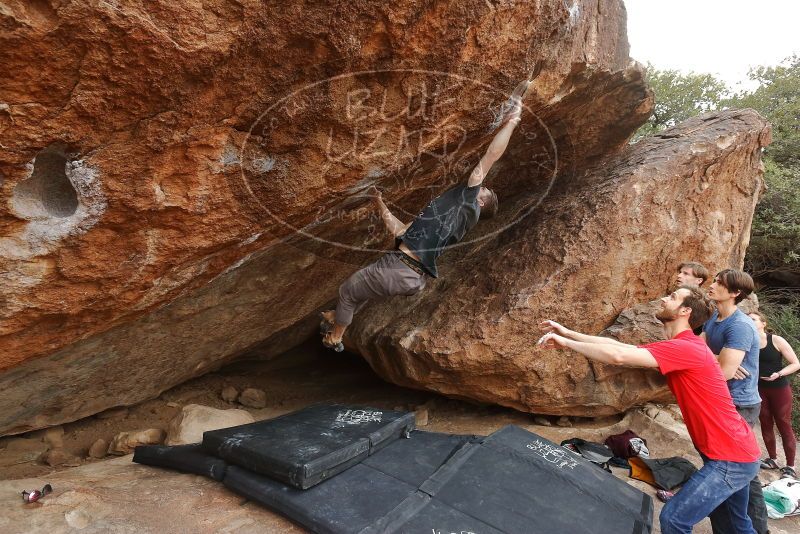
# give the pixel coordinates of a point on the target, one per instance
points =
(229, 394)
(194, 419)
(253, 398)
(54, 437)
(651, 411)
(564, 421)
(542, 420)
(98, 449)
(58, 457)
(125, 442)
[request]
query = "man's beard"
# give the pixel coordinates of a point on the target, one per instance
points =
(666, 316)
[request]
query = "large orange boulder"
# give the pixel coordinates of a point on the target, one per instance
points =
(600, 242)
(181, 181)
(182, 184)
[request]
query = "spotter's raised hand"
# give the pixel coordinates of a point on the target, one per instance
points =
(552, 326)
(552, 341)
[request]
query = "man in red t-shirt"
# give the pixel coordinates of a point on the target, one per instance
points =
(726, 444)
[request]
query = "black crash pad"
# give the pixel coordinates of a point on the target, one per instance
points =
(362, 498)
(514, 481)
(187, 458)
(517, 481)
(306, 447)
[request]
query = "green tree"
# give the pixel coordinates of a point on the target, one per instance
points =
(776, 98)
(774, 251)
(679, 96)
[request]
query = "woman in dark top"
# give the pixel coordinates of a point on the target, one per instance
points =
(776, 395)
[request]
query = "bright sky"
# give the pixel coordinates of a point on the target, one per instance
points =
(722, 37)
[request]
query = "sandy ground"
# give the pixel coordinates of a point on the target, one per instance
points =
(303, 376)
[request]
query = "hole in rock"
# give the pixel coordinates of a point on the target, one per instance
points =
(48, 192)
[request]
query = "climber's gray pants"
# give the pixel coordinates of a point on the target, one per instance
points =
(385, 278)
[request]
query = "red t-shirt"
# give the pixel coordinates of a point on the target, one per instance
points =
(696, 380)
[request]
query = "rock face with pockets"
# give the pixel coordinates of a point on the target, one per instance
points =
(602, 241)
(182, 184)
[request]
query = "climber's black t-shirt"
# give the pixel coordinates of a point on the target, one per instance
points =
(442, 223)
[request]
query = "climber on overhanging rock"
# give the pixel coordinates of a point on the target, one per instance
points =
(443, 222)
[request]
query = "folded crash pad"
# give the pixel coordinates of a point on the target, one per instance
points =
(361, 497)
(514, 481)
(187, 458)
(306, 447)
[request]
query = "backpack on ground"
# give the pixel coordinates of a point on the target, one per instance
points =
(782, 498)
(597, 453)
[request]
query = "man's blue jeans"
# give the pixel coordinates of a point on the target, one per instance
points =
(718, 483)
(756, 507)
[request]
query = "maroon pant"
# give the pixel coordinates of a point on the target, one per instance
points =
(776, 409)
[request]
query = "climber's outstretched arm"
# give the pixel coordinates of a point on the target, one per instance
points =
(498, 145)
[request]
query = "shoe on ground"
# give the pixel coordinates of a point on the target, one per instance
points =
(769, 463)
(788, 472)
